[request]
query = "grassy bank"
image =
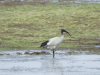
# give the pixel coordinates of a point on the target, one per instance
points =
(26, 27)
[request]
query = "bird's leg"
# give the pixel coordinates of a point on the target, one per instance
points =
(53, 53)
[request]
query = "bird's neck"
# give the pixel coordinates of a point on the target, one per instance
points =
(62, 36)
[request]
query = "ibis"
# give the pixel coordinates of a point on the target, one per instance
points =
(54, 42)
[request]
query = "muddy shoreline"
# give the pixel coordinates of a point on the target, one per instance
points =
(92, 51)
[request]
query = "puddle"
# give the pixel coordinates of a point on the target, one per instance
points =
(97, 46)
(62, 64)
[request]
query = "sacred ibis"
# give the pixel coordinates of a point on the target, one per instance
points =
(54, 42)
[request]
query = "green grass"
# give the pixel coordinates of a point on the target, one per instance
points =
(26, 27)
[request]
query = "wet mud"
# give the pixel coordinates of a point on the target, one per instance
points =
(18, 3)
(48, 52)
(37, 53)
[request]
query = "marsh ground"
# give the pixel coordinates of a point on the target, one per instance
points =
(24, 28)
(27, 26)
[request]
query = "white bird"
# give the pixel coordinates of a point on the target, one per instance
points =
(54, 42)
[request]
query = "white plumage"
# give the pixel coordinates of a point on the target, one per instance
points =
(54, 42)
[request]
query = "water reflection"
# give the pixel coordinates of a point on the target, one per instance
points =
(55, 67)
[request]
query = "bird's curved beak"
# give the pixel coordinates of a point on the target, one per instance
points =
(62, 30)
(67, 33)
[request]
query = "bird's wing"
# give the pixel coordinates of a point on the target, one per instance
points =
(44, 44)
(54, 41)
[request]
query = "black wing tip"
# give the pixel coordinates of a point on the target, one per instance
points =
(44, 44)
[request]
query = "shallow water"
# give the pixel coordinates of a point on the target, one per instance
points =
(62, 64)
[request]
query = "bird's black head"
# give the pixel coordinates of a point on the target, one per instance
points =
(62, 30)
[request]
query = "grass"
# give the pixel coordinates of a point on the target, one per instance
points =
(26, 27)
